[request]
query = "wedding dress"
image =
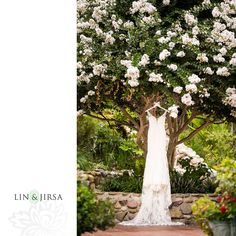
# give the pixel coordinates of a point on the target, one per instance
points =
(156, 193)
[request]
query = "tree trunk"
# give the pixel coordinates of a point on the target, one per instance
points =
(171, 151)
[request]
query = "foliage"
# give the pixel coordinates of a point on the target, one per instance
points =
(124, 183)
(92, 214)
(199, 209)
(224, 208)
(195, 179)
(226, 175)
(214, 143)
(99, 145)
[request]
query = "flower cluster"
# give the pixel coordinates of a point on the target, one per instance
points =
(183, 58)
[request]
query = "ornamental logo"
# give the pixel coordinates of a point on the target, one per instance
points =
(45, 216)
(35, 197)
(42, 219)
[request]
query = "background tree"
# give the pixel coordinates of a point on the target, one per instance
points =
(132, 54)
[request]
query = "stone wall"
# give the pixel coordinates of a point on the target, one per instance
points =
(126, 205)
(94, 178)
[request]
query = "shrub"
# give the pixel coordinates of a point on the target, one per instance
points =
(195, 179)
(97, 142)
(214, 143)
(226, 175)
(124, 183)
(92, 214)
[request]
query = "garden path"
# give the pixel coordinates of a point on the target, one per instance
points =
(149, 231)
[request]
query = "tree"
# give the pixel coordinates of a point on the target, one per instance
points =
(132, 54)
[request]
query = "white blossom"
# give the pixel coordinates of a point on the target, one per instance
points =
(79, 65)
(142, 6)
(132, 73)
(155, 77)
(80, 112)
(99, 69)
(85, 39)
(192, 88)
(190, 19)
(208, 71)
(206, 93)
(173, 111)
(166, 2)
(128, 24)
(148, 20)
(158, 32)
(171, 45)
(206, 2)
(202, 57)
(83, 77)
(172, 67)
(84, 99)
(195, 30)
(164, 39)
(216, 12)
(194, 79)
(164, 54)
(223, 51)
(230, 97)
(223, 71)
(218, 58)
(178, 89)
(91, 93)
(180, 54)
(126, 63)
(187, 100)
(109, 39)
(232, 61)
(133, 82)
(98, 14)
(144, 60)
(189, 41)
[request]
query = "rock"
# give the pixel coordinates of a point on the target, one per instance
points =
(132, 204)
(117, 205)
(121, 215)
(113, 193)
(126, 218)
(83, 177)
(92, 186)
(176, 213)
(117, 221)
(124, 208)
(176, 203)
(176, 199)
(123, 202)
(90, 178)
(188, 217)
(186, 208)
(188, 200)
(133, 210)
(131, 215)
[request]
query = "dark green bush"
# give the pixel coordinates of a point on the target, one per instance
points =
(92, 214)
(98, 143)
(125, 183)
(196, 179)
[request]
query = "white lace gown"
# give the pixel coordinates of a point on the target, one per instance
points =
(156, 193)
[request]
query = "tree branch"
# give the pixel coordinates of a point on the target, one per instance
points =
(194, 132)
(185, 125)
(109, 119)
(130, 118)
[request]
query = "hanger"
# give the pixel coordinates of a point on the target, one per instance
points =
(157, 104)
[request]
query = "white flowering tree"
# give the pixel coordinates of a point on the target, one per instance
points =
(132, 54)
